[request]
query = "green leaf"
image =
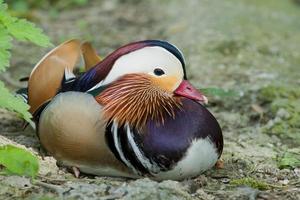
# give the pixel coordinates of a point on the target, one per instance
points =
(218, 92)
(24, 30)
(5, 46)
(290, 159)
(3, 7)
(18, 161)
(13, 103)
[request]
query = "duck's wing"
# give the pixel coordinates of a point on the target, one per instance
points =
(46, 77)
(90, 55)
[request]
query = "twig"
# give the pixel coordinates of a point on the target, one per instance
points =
(114, 196)
(219, 177)
(52, 180)
(57, 189)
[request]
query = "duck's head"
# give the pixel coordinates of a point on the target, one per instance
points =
(142, 80)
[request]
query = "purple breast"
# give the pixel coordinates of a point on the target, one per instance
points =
(166, 144)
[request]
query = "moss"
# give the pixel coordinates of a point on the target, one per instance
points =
(289, 124)
(271, 92)
(266, 50)
(230, 47)
(279, 103)
(295, 120)
(290, 159)
(251, 182)
(278, 129)
(46, 198)
(284, 105)
(290, 105)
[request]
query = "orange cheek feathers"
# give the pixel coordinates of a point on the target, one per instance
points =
(168, 83)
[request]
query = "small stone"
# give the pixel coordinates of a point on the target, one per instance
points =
(201, 180)
(203, 195)
(191, 185)
(284, 182)
(17, 181)
(283, 114)
(48, 166)
(79, 190)
(297, 172)
(270, 145)
(149, 189)
(247, 192)
(270, 124)
(277, 120)
(225, 180)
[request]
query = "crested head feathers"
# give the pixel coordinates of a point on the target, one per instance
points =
(55, 69)
(100, 71)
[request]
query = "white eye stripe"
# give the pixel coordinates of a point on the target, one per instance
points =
(145, 60)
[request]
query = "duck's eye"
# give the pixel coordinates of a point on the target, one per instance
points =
(158, 72)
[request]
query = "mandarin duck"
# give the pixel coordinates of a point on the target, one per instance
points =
(132, 114)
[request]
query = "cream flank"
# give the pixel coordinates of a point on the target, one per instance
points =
(81, 141)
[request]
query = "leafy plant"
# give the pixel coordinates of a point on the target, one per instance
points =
(13, 103)
(18, 161)
(22, 30)
(15, 160)
(290, 159)
(23, 6)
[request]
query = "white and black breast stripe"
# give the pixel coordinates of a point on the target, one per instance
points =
(150, 166)
(117, 144)
(122, 144)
